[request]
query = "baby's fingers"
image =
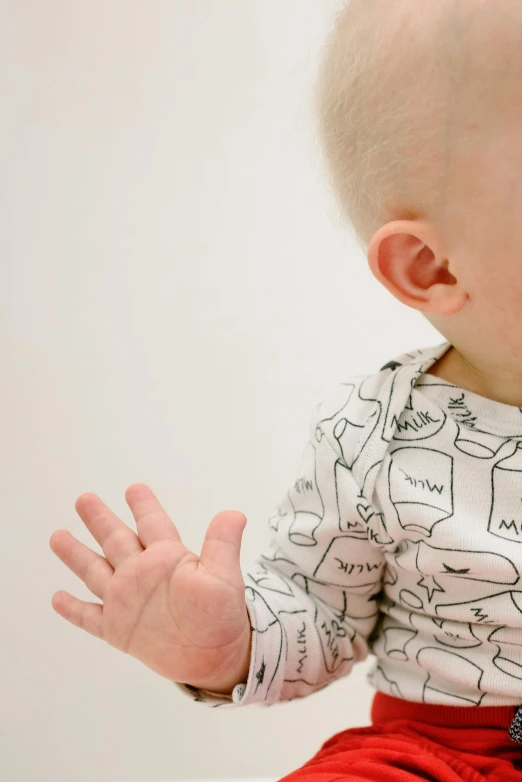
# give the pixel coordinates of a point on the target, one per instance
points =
(93, 569)
(88, 616)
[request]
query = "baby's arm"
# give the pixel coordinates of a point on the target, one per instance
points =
(299, 620)
(311, 594)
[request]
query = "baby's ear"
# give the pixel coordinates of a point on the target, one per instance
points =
(405, 257)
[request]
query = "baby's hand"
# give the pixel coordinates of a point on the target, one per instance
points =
(182, 615)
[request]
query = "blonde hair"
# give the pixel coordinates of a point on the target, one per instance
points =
(394, 97)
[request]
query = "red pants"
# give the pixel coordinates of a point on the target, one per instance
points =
(417, 741)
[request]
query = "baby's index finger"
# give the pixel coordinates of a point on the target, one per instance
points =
(152, 521)
(139, 491)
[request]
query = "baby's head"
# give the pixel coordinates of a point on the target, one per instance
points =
(420, 119)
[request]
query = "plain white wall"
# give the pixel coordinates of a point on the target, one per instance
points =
(175, 295)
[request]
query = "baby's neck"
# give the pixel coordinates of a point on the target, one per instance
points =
(491, 383)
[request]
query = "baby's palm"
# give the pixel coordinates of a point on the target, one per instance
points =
(183, 616)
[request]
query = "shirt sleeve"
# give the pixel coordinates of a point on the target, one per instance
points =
(312, 595)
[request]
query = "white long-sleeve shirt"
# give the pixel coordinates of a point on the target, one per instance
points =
(400, 537)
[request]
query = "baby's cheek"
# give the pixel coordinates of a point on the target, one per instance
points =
(495, 289)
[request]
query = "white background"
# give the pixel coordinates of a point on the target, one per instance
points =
(175, 294)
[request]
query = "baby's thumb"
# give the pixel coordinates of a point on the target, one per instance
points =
(222, 544)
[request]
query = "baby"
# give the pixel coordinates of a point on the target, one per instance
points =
(401, 536)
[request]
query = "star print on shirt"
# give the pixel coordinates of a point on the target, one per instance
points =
(431, 586)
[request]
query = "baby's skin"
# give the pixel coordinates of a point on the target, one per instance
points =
(183, 615)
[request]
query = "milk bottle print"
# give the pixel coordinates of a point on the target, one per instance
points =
(421, 481)
(505, 520)
(306, 502)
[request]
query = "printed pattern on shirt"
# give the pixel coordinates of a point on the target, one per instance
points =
(401, 537)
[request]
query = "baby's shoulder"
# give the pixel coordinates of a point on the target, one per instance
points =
(345, 410)
(365, 407)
